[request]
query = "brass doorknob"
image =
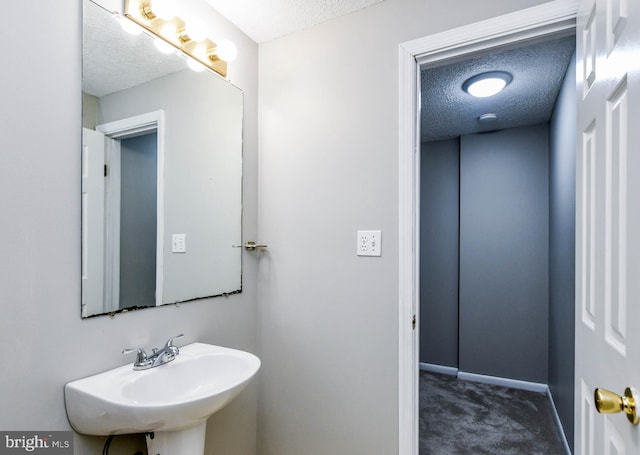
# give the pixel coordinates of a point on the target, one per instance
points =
(608, 402)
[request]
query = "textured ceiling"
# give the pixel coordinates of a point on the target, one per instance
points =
(264, 20)
(538, 71)
(114, 60)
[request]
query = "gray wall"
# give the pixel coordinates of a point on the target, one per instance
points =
(504, 212)
(562, 193)
(46, 341)
(329, 166)
(491, 190)
(138, 220)
(439, 250)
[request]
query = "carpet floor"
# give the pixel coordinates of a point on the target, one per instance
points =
(469, 418)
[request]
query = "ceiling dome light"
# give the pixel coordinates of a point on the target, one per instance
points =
(487, 84)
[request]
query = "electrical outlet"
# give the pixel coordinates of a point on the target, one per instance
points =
(179, 243)
(369, 243)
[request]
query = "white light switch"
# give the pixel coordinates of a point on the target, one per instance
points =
(369, 243)
(179, 243)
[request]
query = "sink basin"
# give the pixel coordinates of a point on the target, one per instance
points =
(174, 397)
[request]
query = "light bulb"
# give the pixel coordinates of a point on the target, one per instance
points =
(168, 32)
(201, 53)
(226, 50)
(196, 30)
(195, 65)
(163, 46)
(164, 9)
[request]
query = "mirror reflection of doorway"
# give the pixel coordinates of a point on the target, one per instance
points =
(138, 215)
(122, 205)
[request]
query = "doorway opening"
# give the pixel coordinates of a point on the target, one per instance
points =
(135, 237)
(490, 230)
(526, 25)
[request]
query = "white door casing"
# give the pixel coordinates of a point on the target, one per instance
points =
(607, 220)
(114, 131)
(112, 225)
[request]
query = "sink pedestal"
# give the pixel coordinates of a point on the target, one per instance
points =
(189, 441)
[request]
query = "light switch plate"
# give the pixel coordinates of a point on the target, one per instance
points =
(369, 243)
(179, 243)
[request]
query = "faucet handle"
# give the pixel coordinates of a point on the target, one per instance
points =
(169, 344)
(140, 357)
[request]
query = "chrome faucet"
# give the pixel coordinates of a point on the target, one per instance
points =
(158, 356)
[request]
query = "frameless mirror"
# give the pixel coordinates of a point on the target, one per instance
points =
(161, 174)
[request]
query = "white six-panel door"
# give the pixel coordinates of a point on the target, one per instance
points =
(93, 221)
(608, 220)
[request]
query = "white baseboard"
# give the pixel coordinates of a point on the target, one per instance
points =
(556, 417)
(505, 382)
(451, 371)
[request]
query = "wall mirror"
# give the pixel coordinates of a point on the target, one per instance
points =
(161, 174)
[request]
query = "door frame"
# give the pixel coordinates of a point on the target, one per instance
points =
(115, 131)
(540, 21)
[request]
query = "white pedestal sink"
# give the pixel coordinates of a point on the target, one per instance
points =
(172, 401)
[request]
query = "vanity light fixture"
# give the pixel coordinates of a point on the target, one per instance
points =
(159, 18)
(487, 84)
